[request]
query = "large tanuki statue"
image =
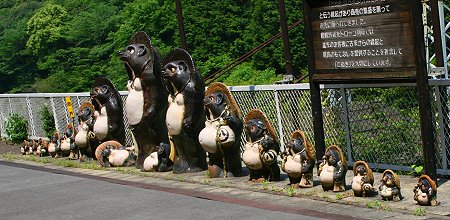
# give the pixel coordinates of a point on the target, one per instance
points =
(146, 104)
(108, 111)
(85, 138)
(298, 160)
(222, 133)
(332, 170)
(185, 116)
(262, 147)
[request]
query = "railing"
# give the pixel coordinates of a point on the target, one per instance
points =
(375, 123)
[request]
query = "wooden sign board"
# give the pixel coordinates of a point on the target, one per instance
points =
(361, 40)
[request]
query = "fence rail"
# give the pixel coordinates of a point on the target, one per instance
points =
(375, 123)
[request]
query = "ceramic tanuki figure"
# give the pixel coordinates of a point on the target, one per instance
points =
(425, 192)
(146, 104)
(54, 147)
(332, 170)
(108, 111)
(222, 133)
(159, 160)
(112, 153)
(185, 116)
(298, 160)
(262, 147)
(390, 186)
(362, 183)
(68, 143)
(43, 147)
(85, 138)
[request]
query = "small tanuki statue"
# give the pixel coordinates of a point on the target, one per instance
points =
(68, 145)
(390, 186)
(298, 160)
(54, 147)
(425, 192)
(108, 111)
(159, 160)
(262, 147)
(332, 170)
(26, 148)
(146, 104)
(362, 183)
(222, 133)
(85, 138)
(185, 116)
(43, 147)
(114, 154)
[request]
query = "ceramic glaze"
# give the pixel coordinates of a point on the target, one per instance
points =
(65, 144)
(134, 105)
(293, 166)
(422, 198)
(356, 184)
(81, 138)
(207, 136)
(151, 162)
(251, 156)
(386, 192)
(327, 176)
(118, 157)
(101, 124)
(175, 114)
(52, 148)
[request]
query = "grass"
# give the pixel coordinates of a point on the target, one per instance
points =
(290, 191)
(419, 212)
(378, 205)
(55, 161)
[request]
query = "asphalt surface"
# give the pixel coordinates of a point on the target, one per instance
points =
(32, 194)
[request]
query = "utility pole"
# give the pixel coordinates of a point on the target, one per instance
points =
(180, 24)
(288, 77)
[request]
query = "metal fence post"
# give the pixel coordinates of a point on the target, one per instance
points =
(346, 125)
(30, 117)
(280, 124)
(441, 127)
(54, 113)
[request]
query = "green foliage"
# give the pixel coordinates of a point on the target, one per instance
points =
(417, 170)
(48, 122)
(419, 212)
(64, 45)
(16, 128)
(45, 26)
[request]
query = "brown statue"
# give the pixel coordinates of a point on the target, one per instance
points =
(425, 192)
(146, 104)
(332, 170)
(262, 147)
(114, 154)
(85, 138)
(185, 116)
(362, 183)
(390, 186)
(298, 160)
(108, 111)
(222, 133)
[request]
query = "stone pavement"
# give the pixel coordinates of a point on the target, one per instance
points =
(278, 195)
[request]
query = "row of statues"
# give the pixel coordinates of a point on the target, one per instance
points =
(179, 126)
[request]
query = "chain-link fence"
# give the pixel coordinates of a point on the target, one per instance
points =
(376, 123)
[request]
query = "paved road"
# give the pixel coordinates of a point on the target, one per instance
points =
(31, 194)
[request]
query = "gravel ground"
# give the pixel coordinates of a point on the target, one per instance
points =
(6, 147)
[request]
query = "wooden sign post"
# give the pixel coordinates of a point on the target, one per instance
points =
(368, 41)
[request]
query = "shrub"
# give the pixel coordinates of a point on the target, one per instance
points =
(48, 122)
(16, 128)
